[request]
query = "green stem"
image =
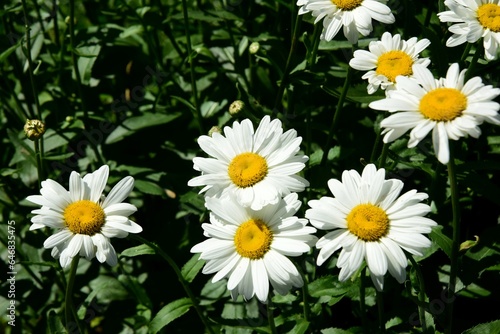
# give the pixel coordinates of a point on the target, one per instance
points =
(74, 60)
(421, 293)
(335, 118)
(378, 139)
(69, 306)
(383, 155)
(197, 114)
(270, 316)
(311, 56)
(362, 296)
(465, 53)
(473, 62)
(38, 157)
(380, 305)
(286, 73)
(181, 279)
(30, 62)
(456, 235)
(305, 293)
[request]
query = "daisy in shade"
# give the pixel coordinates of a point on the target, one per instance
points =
(474, 19)
(258, 167)
(250, 247)
(85, 220)
(354, 15)
(370, 222)
(388, 58)
(450, 107)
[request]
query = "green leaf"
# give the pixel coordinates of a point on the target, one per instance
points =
(326, 286)
(133, 124)
(192, 268)
(86, 60)
(169, 313)
(138, 250)
(301, 327)
(441, 240)
(149, 187)
(54, 323)
(6, 53)
(490, 327)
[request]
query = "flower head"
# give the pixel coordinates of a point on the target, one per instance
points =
(257, 167)
(354, 15)
(450, 107)
(85, 220)
(34, 129)
(369, 221)
(474, 19)
(251, 247)
(389, 58)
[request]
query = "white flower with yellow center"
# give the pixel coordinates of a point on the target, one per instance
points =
(370, 222)
(354, 15)
(474, 19)
(85, 219)
(250, 247)
(389, 58)
(448, 106)
(258, 168)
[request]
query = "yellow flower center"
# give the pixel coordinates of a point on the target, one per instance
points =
(84, 217)
(247, 169)
(443, 104)
(347, 4)
(488, 16)
(253, 239)
(368, 222)
(394, 63)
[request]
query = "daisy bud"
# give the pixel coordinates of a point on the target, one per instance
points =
(236, 107)
(34, 129)
(213, 130)
(254, 48)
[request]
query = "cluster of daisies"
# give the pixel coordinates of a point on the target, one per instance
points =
(450, 107)
(250, 184)
(250, 178)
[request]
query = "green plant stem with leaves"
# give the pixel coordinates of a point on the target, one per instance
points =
(421, 292)
(336, 115)
(270, 315)
(69, 307)
(452, 177)
(197, 112)
(181, 279)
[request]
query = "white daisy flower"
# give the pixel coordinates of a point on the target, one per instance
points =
(85, 219)
(257, 167)
(448, 106)
(354, 15)
(251, 247)
(389, 58)
(369, 221)
(474, 19)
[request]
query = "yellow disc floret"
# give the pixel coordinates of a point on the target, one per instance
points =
(488, 16)
(253, 239)
(443, 104)
(347, 4)
(84, 217)
(247, 169)
(394, 63)
(368, 222)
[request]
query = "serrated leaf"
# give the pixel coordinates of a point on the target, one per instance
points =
(169, 313)
(192, 268)
(325, 286)
(301, 327)
(148, 187)
(138, 250)
(490, 327)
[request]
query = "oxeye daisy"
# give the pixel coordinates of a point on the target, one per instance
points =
(388, 58)
(258, 167)
(85, 220)
(472, 20)
(354, 15)
(369, 221)
(250, 247)
(450, 107)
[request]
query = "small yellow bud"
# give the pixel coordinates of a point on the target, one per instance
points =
(236, 107)
(254, 47)
(213, 130)
(464, 246)
(34, 129)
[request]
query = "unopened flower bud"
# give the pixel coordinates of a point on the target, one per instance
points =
(213, 130)
(34, 129)
(254, 47)
(236, 107)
